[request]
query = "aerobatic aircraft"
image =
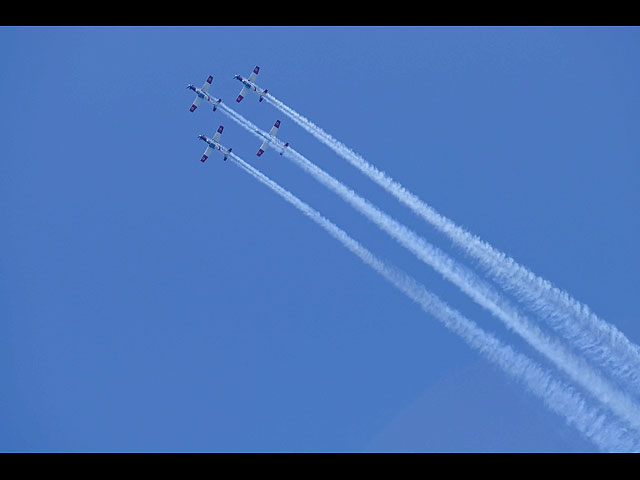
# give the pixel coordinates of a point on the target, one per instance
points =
(213, 144)
(273, 132)
(203, 94)
(248, 84)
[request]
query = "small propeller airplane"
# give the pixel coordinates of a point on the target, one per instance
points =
(213, 144)
(273, 132)
(248, 85)
(203, 94)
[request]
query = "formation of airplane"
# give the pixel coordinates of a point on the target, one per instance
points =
(213, 143)
(203, 94)
(248, 84)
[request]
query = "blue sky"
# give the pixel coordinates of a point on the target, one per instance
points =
(153, 303)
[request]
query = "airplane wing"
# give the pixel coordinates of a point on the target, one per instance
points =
(243, 93)
(195, 104)
(207, 84)
(262, 148)
(254, 74)
(218, 134)
(206, 154)
(274, 130)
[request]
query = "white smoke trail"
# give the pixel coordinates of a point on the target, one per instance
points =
(560, 398)
(470, 284)
(599, 340)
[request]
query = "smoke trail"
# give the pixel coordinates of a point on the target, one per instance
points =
(601, 341)
(594, 424)
(470, 284)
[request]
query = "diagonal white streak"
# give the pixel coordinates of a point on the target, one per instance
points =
(575, 367)
(607, 433)
(602, 342)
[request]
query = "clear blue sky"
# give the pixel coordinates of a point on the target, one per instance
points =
(149, 302)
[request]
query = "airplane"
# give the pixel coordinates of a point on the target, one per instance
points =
(273, 132)
(203, 94)
(248, 84)
(212, 144)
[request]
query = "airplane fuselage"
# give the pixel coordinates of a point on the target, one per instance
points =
(214, 144)
(250, 85)
(204, 96)
(200, 93)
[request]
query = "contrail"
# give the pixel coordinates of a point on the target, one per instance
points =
(599, 340)
(605, 432)
(469, 283)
